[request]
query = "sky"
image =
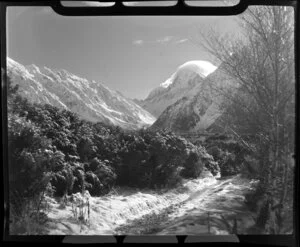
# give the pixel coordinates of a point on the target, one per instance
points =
(132, 55)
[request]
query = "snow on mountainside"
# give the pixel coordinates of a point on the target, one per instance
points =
(180, 84)
(91, 100)
(198, 109)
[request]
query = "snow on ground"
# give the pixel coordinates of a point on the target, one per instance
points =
(111, 211)
(192, 201)
(225, 198)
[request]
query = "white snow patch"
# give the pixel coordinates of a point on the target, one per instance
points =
(109, 212)
(168, 82)
(203, 68)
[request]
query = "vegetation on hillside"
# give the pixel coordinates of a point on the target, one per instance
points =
(54, 151)
(230, 155)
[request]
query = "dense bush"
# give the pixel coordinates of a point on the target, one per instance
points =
(28, 161)
(94, 156)
(151, 159)
(210, 164)
(79, 179)
(93, 184)
(63, 181)
(193, 166)
(106, 176)
(229, 154)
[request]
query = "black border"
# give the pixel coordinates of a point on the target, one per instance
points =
(120, 10)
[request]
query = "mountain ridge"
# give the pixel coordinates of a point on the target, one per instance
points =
(197, 109)
(93, 101)
(179, 84)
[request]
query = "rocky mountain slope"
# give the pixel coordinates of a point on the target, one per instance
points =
(92, 100)
(180, 84)
(197, 108)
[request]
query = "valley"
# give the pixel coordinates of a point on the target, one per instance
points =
(170, 164)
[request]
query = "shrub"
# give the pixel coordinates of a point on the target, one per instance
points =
(63, 181)
(86, 149)
(174, 177)
(93, 165)
(212, 166)
(58, 161)
(28, 161)
(79, 177)
(216, 152)
(254, 199)
(209, 163)
(93, 184)
(59, 183)
(251, 167)
(193, 166)
(229, 154)
(106, 176)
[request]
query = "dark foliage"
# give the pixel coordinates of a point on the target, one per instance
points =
(82, 155)
(229, 154)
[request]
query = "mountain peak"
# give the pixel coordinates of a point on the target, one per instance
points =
(188, 71)
(186, 77)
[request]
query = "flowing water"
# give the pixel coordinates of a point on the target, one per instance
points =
(183, 210)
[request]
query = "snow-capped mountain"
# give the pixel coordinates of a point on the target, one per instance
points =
(199, 107)
(92, 100)
(180, 84)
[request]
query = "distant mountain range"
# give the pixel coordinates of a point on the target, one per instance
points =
(92, 100)
(190, 101)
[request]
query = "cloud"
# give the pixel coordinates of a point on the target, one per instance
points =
(170, 39)
(162, 40)
(138, 42)
(165, 39)
(181, 41)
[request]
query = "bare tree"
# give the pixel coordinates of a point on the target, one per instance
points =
(262, 104)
